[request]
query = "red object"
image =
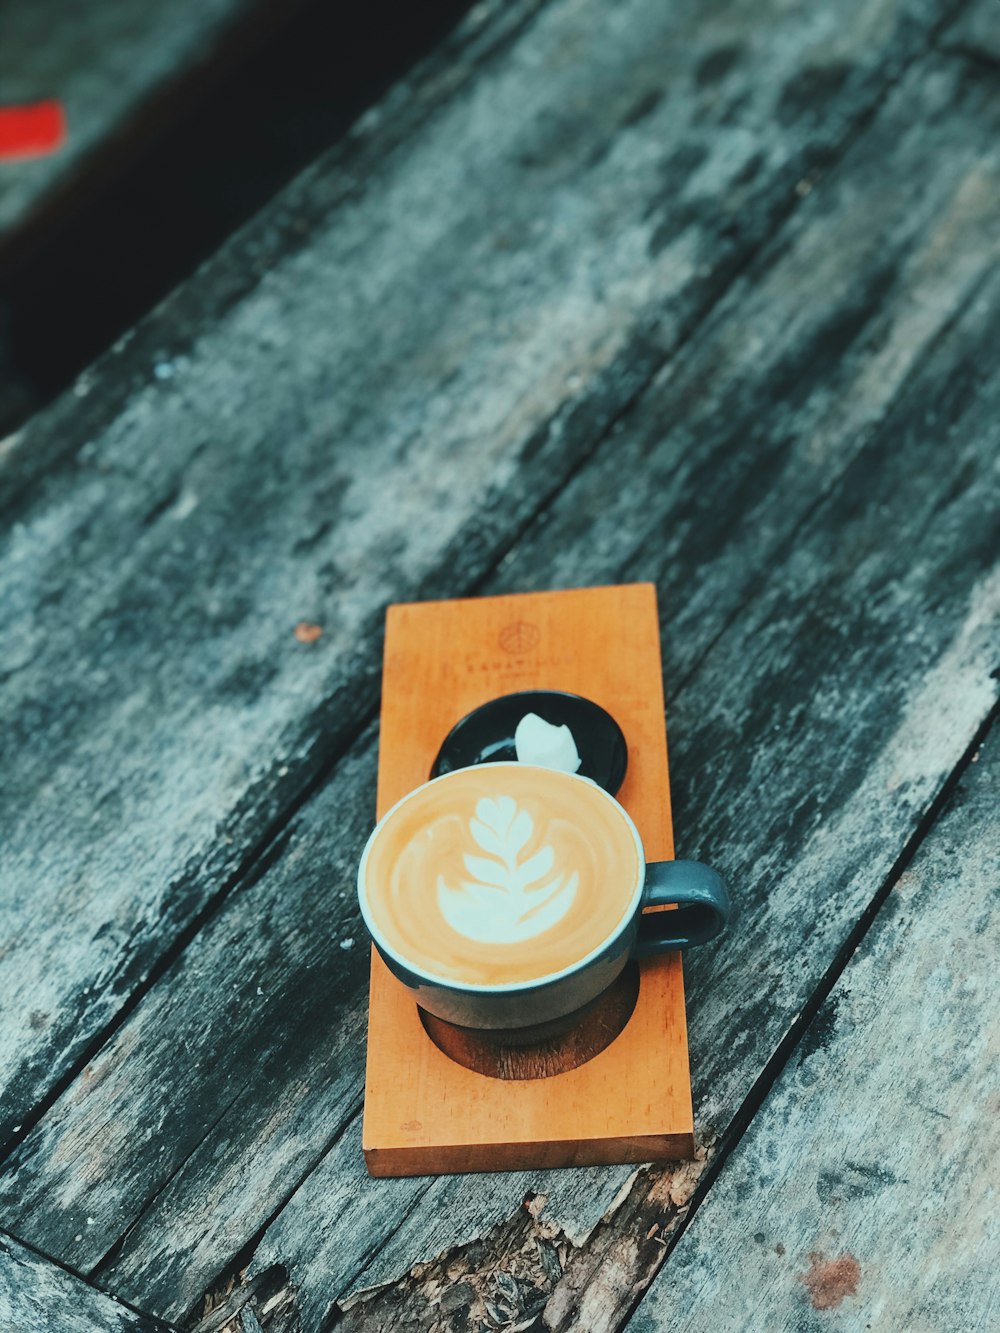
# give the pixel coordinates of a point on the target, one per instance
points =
(28, 131)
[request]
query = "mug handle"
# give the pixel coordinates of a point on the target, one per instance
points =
(702, 907)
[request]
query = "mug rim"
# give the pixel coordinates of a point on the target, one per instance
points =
(503, 987)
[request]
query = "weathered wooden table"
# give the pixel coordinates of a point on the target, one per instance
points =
(707, 294)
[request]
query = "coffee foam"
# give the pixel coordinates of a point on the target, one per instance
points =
(500, 874)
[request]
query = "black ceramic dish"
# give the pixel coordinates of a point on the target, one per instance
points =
(486, 735)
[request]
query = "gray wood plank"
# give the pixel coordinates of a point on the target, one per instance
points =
(109, 62)
(864, 1193)
(214, 1141)
(344, 171)
(225, 471)
(37, 1296)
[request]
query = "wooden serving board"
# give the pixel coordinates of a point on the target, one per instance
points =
(631, 1102)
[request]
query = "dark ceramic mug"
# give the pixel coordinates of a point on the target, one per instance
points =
(550, 1002)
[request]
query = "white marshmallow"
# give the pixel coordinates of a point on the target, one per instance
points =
(538, 742)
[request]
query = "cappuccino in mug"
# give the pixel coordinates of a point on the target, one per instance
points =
(500, 875)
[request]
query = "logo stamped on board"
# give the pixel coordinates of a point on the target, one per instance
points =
(519, 637)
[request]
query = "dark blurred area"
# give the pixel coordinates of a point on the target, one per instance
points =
(92, 271)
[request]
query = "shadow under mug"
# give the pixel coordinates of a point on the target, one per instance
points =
(696, 893)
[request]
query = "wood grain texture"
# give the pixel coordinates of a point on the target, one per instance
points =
(864, 1193)
(109, 63)
(215, 1140)
(37, 1296)
(631, 1102)
(223, 471)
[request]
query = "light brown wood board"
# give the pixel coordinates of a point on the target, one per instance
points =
(425, 1113)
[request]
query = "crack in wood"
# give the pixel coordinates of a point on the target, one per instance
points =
(238, 1304)
(526, 1272)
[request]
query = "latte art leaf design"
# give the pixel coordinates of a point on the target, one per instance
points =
(506, 899)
